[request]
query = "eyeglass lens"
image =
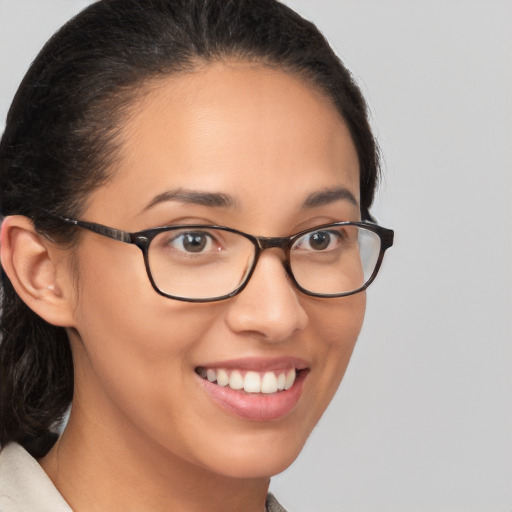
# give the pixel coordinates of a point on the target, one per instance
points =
(199, 264)
(335, 260)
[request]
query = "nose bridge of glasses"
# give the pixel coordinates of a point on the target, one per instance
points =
(272, 242)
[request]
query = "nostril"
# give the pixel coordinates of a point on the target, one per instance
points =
(269, 307)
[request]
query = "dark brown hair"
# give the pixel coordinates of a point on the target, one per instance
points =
(60, 143)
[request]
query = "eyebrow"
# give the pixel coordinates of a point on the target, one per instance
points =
(220, 200)
(211, 199)
(328, 196)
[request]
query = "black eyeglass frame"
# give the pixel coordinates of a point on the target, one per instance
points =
(142, 239)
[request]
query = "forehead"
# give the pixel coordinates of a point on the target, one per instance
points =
(241, 129)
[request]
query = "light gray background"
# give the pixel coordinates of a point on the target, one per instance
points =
(423, 421)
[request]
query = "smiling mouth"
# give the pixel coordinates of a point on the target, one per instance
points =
(268, 382)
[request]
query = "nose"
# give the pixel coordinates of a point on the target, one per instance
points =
(269, 306)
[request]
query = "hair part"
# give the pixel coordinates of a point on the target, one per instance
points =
(61, 142)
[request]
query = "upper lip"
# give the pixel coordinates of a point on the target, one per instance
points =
(259, 364)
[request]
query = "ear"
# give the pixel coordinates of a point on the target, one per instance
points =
(38, 270)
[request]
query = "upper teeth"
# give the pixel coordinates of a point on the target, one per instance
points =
(251, 382)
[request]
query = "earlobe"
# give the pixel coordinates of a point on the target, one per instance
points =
(36, 270)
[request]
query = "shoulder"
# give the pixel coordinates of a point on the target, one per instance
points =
(24, 486)
(272, 505)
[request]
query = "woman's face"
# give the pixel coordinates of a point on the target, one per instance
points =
(267, 141)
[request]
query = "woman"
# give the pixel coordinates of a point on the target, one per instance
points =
(225, 142)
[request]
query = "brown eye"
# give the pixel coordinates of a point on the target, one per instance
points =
(321, 240)
(192, 242)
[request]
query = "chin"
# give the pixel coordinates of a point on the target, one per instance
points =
(260, 459)
(265, 465)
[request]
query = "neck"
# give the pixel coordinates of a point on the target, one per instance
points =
(97, 468)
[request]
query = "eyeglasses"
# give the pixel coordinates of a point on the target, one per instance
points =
(204, 263)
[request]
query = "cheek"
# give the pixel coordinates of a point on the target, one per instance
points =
(117, 302)
(343, 319)
(339, 323)
(128, 325)
(133, 342)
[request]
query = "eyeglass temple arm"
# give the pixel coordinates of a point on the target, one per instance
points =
(115, 234)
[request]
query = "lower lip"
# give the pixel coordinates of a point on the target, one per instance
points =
(256, 406)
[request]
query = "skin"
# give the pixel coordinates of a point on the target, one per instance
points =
(143, 434)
